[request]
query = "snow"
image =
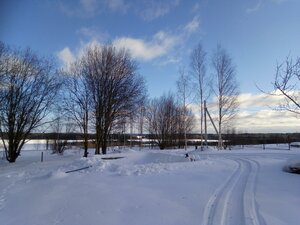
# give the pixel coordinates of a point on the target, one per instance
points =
(292, 165)
(239, 187)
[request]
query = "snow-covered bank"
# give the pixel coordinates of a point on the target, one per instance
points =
(151, 187)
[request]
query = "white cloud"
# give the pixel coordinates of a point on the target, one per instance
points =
(146, 9)
(66, 56)
(158, 46)
(89, 5)
(150, 9)
(256, 114)
(117, 5)
(267, 120)
(259, 5)
(193, 25)
(92, 34)
(247, 100)
(90, 8)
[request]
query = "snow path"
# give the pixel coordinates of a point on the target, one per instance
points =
(234, 201)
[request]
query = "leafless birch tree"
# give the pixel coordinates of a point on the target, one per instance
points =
(28, 89)
(201, 80)
(183, 87)
(225, 89)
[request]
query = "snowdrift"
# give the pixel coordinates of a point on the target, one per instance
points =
(293, 165)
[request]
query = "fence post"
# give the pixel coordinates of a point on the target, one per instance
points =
(42, 156)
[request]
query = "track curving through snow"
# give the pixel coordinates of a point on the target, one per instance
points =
(234, 201)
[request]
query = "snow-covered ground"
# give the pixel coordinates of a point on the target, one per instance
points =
(239, 187)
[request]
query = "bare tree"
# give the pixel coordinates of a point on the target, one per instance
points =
(201, 80)
(77, 99)
(286, 84)
(116, 88)
(183, 87)
(165, 122)
(28, 87)
(58, 127)
(225, 89)
(161, 118)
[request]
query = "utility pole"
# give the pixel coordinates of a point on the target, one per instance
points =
(205, 128)
(211, 120)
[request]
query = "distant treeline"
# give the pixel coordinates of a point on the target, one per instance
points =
(232, 139)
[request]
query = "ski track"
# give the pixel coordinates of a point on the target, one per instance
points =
(234, 202)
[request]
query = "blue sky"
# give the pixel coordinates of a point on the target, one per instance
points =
(161, 34)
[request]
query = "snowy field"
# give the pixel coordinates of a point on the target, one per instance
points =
(150, 187)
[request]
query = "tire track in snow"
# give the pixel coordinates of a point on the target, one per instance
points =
(252, 215)
(213, 213)
(234, 203)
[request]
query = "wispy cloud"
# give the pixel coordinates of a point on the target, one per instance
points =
(267, 120)
(248, 100)
(158, 46)
(92, 34)
(255, 8)
(146, 9)
(163, 43)
(196, 7)
(150, 9)
(193, 25)
(256, 114)
(66, 56)
(89, 6)
(260, 4)
(117, 5)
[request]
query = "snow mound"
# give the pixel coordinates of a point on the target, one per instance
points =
(292, 165)
(58, 174)
(151, 157)
(295, 144)
(82, 165)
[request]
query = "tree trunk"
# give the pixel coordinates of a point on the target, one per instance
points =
(104, 147)
(12, 154)
(85, 146)
(220, 142)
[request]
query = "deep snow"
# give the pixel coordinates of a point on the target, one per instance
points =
(242, 186)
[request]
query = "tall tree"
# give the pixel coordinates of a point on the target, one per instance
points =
(116, 88)
(225, 89)
(78, 99)
(28, 88)
(201, 80)
(183, 87)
